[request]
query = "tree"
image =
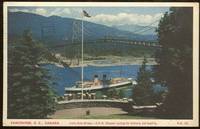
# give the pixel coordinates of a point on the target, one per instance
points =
(29, 92)
(143, 91)
(121, 93)
(112, 93)
(174, 68)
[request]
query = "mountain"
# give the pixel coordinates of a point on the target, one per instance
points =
(138, 29)
(148, 32)
(58, 30)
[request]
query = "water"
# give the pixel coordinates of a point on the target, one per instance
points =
(66, 77)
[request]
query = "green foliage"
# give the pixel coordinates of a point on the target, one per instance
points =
(121, 93)
(29, 93)
(104, 49)
(143, 91)
(175, 61)
(112, 93)
(116, 49)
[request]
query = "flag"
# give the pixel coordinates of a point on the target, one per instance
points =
(86, 14)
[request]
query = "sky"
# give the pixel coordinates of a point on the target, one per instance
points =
(110, 16)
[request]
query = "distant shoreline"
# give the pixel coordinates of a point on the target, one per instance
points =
(113, 64)
(108, 61)
(116, 61)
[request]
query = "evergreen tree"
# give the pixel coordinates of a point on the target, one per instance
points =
(143, 91)
(175, 61)
(29, 92)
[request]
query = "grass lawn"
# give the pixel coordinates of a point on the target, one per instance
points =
(96, 113)
(113, 116)
(120, 116)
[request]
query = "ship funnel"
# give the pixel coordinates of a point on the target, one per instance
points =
(104, 77)
(95, 76)
(96, 80)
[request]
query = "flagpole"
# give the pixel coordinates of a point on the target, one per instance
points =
(82, 60)
(82, 78)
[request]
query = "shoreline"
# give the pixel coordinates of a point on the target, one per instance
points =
(116, 61)
(97, 65)
(104, 65)
(107, 61)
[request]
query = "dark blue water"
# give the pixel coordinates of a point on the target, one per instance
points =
(66, 77)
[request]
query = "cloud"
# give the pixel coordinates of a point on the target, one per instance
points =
(41, 11)
(126, 19)
(63, 12)
(103, 18)
(60, 12)
(19, 10)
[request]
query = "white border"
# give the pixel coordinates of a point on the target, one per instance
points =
(106, 122)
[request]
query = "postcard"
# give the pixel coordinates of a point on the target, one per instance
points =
(100, 64)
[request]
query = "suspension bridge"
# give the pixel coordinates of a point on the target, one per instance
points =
(112, 41)
(108, 39)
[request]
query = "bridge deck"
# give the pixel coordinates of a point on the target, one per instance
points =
(114, 41)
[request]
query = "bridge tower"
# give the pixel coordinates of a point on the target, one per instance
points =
(76, 32)
(76, 39)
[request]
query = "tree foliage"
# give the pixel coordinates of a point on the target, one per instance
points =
(175, 61)
(143, 91)
(29, 92)
(112, 93)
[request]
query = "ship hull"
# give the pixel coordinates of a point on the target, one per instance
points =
(101, 87)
